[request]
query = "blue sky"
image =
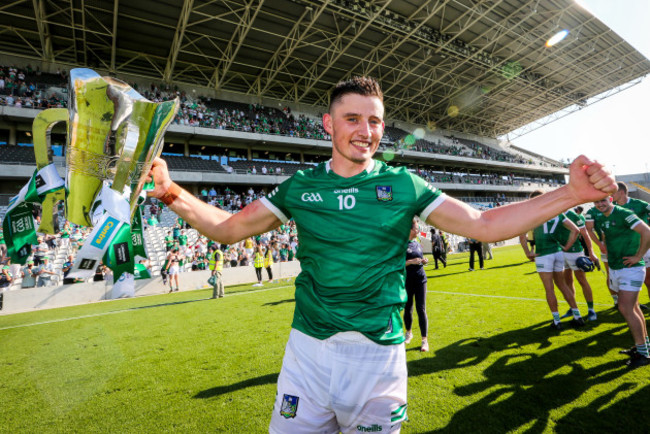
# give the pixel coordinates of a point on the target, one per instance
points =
(614, 131)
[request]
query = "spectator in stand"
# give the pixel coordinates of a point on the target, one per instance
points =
(3, 246)
(67, 266)
(264, 170)
(173, 268)
(204, 194)
(40, 251)
(28, 274)
(46, 273)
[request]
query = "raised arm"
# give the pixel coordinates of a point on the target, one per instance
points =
(589, 181)
(211, 221)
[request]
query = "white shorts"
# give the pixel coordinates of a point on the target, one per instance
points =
(345, 383)
(550, 263)
(626, 279)
(570, 260)
(646, 259)
(174, 269)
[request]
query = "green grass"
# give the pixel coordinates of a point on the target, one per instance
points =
(187, 363)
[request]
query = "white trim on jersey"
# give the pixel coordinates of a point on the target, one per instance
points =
(432, 206)
(368, 169)
(274, 209)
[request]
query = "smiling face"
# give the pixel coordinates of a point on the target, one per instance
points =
(604, 205)
(356, 124)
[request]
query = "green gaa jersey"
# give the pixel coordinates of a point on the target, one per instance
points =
(545, 241)
(639, 207)
(562, 233)
(594, 215)
(353, 234)
(620, 239)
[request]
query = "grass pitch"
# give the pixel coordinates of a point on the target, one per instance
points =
(183, 362)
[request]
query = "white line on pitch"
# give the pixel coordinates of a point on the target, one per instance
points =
(129, 309)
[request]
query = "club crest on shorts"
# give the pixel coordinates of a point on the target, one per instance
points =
(289, 406)
(384, 193)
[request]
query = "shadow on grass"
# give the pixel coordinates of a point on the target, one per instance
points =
(275, 303)
(522, 388)
(171, 303)
(251, 382)
(432, 274)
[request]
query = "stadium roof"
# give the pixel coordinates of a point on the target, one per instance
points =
(472, 66)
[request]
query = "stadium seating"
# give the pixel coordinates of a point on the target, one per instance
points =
(17, 154)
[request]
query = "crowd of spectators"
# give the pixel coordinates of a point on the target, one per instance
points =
(29, 88)
(485, 179)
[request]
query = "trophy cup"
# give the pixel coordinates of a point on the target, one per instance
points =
(113, 136)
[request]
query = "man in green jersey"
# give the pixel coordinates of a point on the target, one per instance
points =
(593, 217)
(345, 366)
(627, 239)
(575, 251)
(549, 262)
(642, 209)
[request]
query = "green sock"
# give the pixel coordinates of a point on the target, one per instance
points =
(590, 305)
(556, 317)
(576, 313)
(647, 341)
(615, 298)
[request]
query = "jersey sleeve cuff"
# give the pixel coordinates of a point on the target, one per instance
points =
(274, 209)
(432, 206)
(635, 224)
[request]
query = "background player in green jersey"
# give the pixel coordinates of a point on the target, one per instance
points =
(562, 234)
(592, 219)
(549, 262)
(627, 239)
(642, 209)
(345, 363)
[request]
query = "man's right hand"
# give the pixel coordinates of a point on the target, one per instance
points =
(160, 175)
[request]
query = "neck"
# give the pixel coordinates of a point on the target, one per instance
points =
(346, 168)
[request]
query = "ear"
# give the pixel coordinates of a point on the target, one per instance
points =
(327, 123)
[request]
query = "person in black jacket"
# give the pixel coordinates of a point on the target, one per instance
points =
(416, 288)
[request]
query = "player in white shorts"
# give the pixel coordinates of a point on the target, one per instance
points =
(627, 239)
(371, 377)
(549, 262)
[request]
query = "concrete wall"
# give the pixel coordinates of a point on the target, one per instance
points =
(28, 299)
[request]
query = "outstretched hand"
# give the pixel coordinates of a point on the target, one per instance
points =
(160, 175)
(589, 180)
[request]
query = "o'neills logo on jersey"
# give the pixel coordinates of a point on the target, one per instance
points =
(311, 197)
(347, 190)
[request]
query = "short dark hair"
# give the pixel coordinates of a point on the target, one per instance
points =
(536, 193)
(622, 186)
(579, 209)
(366, 86)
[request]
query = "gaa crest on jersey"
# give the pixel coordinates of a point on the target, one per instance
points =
(289, 406)
(384, 193)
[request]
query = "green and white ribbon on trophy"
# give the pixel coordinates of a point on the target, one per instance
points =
(110, 239)
(18, 225)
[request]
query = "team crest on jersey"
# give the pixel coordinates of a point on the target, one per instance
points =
(384, 193)
(289, 406)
